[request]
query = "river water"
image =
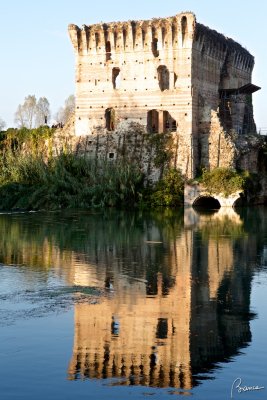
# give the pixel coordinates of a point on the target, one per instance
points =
(114, 305)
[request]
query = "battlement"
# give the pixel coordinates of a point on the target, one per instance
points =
(155, 34)
(135, 36)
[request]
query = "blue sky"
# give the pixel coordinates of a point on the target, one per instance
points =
(37, 56)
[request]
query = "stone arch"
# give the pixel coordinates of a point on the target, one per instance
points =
(163, 77)
(110, 119)
(207, 202)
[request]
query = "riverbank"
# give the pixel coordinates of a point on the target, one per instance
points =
(30, 182)
(35, 177)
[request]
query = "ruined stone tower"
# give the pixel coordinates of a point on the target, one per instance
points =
(169, 75)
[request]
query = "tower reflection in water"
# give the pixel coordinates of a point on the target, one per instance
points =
(182, 307)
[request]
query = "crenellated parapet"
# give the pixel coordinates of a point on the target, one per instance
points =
(133, 35)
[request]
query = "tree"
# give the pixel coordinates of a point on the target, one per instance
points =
(19, 117)
(43, 113)
(66, 111)
(26, 112)
(33, 113)
(2, 124)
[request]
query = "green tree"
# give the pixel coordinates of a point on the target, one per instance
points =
(169, 191)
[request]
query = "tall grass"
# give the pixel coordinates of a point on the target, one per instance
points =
(28, 181)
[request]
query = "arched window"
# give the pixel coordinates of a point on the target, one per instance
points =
(163, 77)
(116, 78)
(184, 29)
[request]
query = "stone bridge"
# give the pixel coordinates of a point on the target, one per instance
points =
(197, 195)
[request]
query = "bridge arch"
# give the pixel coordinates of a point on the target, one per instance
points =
(206, 202)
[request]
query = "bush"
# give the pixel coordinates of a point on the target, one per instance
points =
(223, 180)
(169, 191)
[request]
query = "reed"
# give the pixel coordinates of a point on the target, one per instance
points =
(28, 181)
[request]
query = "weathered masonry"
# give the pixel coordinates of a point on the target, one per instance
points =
(168, 75)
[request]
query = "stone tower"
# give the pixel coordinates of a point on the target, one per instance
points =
(169, 75)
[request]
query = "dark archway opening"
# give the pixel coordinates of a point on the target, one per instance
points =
(163, 77)
(207, 203)
(162, 328)
(153, 121)
(184, 29)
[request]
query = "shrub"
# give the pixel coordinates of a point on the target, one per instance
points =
(169, 191)
(223, 180)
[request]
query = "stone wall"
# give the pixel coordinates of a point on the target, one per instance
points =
(130, 143)
(222, 113)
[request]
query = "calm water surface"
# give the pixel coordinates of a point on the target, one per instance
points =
(113, 305)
